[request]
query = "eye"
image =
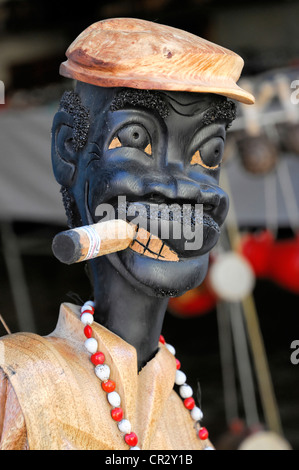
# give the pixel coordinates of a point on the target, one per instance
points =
(210, 154)
(133, 136)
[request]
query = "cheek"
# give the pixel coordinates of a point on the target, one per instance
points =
(204, 175)
(107, 185)
(97, 184)
(216, 175)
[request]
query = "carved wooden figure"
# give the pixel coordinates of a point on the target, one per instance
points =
(146, 123)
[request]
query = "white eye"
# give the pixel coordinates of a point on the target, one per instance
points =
(210, 154)
(134, 136)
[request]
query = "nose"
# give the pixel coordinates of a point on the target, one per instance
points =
(170, 181)
(215, 201)
(203, 191)
(161, 184)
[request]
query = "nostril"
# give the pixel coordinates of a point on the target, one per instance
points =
(156, 198)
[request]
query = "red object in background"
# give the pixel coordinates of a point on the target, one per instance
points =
(276, 260)
(237, 426)
(284, 264)
(195, 302)
(257, 250)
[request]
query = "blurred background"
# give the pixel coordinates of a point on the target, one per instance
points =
(237, 329)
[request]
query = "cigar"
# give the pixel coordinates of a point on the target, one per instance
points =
(90, 241)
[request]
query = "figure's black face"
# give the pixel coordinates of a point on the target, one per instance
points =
(155, 149)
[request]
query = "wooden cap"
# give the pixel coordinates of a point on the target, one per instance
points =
(128, 52)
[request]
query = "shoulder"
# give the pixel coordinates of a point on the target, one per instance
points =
(13, 433)
(28, 359)
(22, 350)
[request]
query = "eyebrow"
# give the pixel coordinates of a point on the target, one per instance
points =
(145, 98)
(221, 109)
(225, 110)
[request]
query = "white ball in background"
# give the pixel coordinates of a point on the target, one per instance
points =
(231, 277)
(265, 440)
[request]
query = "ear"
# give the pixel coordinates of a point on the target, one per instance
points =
(64, 156)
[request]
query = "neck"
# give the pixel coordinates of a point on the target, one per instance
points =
(129, 313)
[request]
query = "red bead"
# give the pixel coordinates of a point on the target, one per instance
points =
(97, 358)
(178, 364)
(162, 339)
(88, 310)
(108, 386)
(131, 439)
(203, 434)
(189, 403)
(117, 414)
(88, 331)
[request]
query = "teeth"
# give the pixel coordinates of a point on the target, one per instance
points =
(151, 246)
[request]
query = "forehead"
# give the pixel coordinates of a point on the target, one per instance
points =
(210, 107)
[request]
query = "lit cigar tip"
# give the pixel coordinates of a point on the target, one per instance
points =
(66, 247)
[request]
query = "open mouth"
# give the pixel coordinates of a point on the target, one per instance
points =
(156, 212)
(161, 228)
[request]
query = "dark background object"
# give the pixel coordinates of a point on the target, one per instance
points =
(33, 39)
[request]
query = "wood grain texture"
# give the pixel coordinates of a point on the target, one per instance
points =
(115, 235)
(64, 406)
(128, 52)
(13, 435)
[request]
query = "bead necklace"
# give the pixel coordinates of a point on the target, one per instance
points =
(102, 371)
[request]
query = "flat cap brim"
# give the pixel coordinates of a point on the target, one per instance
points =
(128, 52)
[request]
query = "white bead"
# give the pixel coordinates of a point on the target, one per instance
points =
(90, 302)
(102, 371)
(135, 448)
(170, 348)
(87, 318)
(232, 277)
(196, 414)
(114, 399)
(86, 308)
(186, 391)
(125, 426)
(180, 377)
(91, 345)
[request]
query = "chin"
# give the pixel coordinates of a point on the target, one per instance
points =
(160, 278)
